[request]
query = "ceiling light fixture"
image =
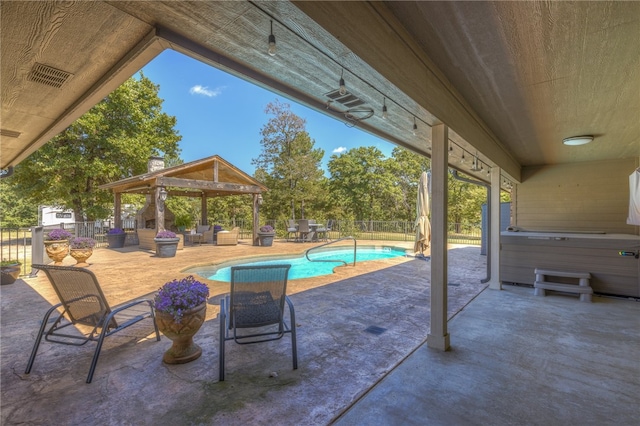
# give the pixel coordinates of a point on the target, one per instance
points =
(272, 42)
(415, 126)
(577, 140)
(343, 88)
(384, 108)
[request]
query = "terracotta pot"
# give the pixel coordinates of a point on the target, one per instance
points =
(81, 256)
(184, 348)
(57, 250)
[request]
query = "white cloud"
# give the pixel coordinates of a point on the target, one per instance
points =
(339, 150)
(205, 91)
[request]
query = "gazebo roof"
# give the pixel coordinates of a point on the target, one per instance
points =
(211, 176)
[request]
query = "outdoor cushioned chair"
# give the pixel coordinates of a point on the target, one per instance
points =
(207, 233)
(256, 301)
(85, 308)
(228, 238)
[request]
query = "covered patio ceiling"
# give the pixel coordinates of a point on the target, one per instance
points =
(510, 79)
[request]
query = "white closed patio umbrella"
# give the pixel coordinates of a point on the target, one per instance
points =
(422, 225)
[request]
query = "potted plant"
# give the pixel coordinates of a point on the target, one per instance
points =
(183, 221)
(57, 245)
(10, 271)
(180, 308)
(81, 248)
(166, 243)
(265, 235)
(116, 237)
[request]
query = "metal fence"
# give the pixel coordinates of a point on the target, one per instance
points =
(17, 244)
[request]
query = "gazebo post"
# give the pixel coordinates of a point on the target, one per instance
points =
(203, 209)
(161, 197)
(257, 200)
(117, 210)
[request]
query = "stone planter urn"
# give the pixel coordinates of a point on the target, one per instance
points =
(81, 255)
(166, 247)
(184, 349)
(116, 240)
(266, 238)
(57, 250)
(10, 273)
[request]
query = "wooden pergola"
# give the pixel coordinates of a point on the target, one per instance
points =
(205, 178)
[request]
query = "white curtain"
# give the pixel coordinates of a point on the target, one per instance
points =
(634, 198)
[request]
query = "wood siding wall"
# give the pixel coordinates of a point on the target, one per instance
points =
(589, 196)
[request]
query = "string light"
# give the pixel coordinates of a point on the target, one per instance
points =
(343, 88)
(272, 42)
(415, 126)
(384, 108)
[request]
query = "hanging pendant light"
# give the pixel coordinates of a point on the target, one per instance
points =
(272, 42)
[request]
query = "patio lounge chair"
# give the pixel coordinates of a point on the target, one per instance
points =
(256, 300)
(229, 238)
(85, 307)
(207, 233)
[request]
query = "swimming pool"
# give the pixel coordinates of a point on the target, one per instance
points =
(302, 268)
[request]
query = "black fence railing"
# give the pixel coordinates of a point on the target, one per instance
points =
(16, 243)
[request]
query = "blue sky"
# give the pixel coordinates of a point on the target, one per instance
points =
(218, 113)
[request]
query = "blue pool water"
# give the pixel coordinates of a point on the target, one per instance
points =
(302, 268)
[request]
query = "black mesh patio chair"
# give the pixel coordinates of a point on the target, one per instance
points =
(86, 309)
(257, 299)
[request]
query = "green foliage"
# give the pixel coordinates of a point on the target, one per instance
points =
(112, 141)
(16, 208)
(288, 164)
(364, 183)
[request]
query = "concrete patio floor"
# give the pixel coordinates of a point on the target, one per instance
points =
(338, 359)
(508, 346)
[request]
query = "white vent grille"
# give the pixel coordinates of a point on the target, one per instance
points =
(50, 76)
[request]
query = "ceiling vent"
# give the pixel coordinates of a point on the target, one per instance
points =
(9, 133)
(50, 76)
(348, 99)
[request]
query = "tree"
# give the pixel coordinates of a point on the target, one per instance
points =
(288, 163)
(364, 182)
(407, 166)
(16, 210)
(112, 141)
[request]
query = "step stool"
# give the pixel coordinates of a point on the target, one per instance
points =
(582, 288)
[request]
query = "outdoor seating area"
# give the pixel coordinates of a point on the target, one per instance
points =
(307, 230)
(386, 352)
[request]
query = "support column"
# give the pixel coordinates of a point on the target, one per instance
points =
(438, 337)
(203, 210)
(159, 202)
(494, 236)
(117, 210)
(257, 198)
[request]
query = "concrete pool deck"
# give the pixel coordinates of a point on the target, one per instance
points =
(515, 359)
(338, 359)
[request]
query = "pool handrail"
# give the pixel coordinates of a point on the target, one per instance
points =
(355, 245)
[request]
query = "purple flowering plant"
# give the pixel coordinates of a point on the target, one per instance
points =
(59, 234)
(166, 234)
(115, 231)
(178, 296)
(266, 228)
(82, 243)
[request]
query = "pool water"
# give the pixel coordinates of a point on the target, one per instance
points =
(302, 268)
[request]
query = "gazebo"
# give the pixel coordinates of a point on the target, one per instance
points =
(205, 178)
